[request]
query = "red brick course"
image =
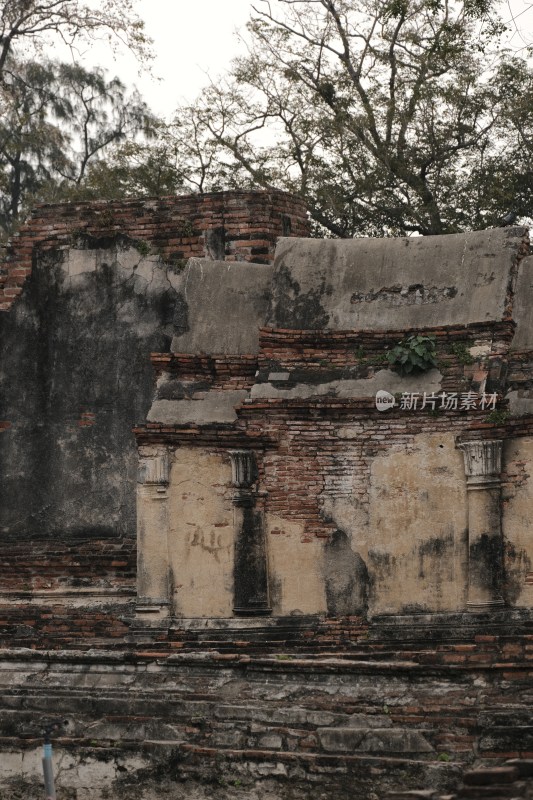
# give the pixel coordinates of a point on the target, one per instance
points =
(174, 227)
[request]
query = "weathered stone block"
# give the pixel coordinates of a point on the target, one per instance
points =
(351, 740)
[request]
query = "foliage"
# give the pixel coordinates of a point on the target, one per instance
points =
(31, 24)
(388, 116)
(57, 120)
(132, 168)
(497, 417)
(461, 352)
(416, 353)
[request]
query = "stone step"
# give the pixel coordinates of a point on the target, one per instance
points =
(507, 739)
(374, 740)
(494, 792)
(219, 725)
(347, 776)
(511, 781)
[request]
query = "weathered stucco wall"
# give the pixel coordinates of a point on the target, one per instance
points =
(399, 547)
(201, 534)
(75, 377)
(233, 225)
(297, 583)
(416, 537)
(517, 511)
(364, 512)
(227, 302)
(522, 307)
(393, 283)
(87, 292)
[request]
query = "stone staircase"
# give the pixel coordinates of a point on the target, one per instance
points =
(222, 717)
(513, 780)
(236, 705)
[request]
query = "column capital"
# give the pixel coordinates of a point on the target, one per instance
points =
(153, 466)
(483, 462)
(243, 468)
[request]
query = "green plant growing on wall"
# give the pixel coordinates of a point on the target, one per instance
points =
(143, 247)
(105, 219)
(184, 228)
(414, 354)
(380, 358)
(497, 417)
(176, 264)
(461, 352)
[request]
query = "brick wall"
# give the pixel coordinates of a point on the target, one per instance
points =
(233, 226)
(52, 563)
(300, 453)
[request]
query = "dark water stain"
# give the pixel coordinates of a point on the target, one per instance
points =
(347, 580)
(517, 565)
(293, 309)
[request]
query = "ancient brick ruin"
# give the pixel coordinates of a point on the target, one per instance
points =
(230, 568)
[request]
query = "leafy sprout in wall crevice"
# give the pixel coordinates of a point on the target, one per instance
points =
(143, 247)
(415, 353)
(498, 417)
(462, 353)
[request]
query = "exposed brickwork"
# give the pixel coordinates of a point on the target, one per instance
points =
(58, 626)
(304, 454)
(276, 341)
(221, 372)
(66, 562)
(289, 697)
(520, 369)
(174, 227)
(313, 461)
(512, 780)
(363, 353)
(466, 697)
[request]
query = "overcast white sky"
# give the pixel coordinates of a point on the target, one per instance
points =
(192, 38)
(196, 38)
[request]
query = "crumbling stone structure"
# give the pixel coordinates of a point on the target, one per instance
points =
(94, 297)
(343, 508)
(241, 553)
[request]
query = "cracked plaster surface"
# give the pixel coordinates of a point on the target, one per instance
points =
(363, 387)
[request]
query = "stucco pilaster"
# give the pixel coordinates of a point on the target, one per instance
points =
(482, 460)
(152, 532)
(251, 596)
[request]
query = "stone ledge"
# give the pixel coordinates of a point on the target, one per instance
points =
(455, 625)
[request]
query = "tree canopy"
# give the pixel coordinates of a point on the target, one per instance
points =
(28, 24)
(56, 118)
(388, 116)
